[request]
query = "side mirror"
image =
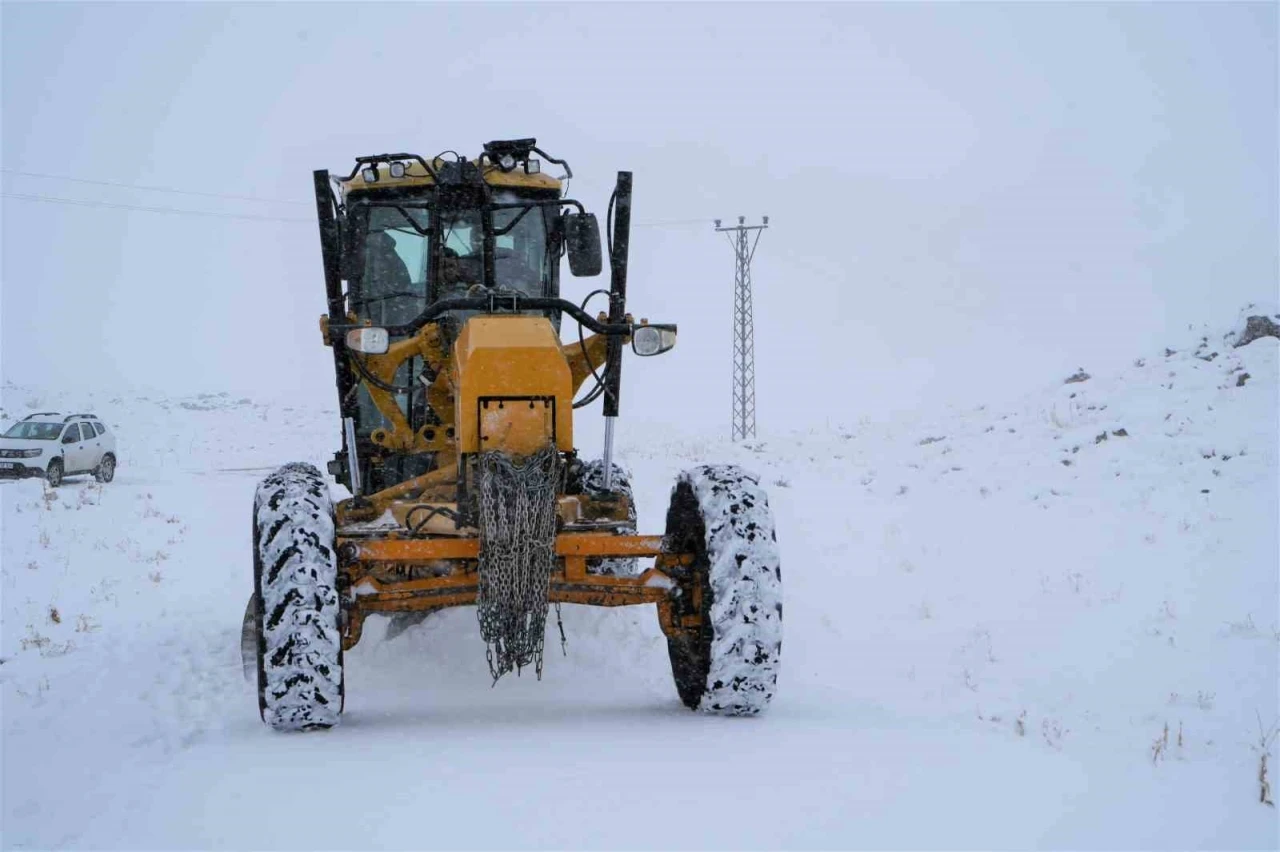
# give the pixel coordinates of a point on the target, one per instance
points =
(653, 339)
(582, 241)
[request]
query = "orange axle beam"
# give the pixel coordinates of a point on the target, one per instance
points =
(572, 584)
(567, 544)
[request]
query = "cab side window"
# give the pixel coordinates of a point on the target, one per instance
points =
(72, 435)
(86, 432)
(102, 430)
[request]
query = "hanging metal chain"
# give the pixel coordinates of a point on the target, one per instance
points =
(517, 556)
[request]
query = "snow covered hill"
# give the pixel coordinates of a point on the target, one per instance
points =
(1052, 625)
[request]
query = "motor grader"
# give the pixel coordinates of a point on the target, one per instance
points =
(457, 398)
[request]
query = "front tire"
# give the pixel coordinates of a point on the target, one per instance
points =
(299, 641)
(106, 470)
(727, 665)
(53, 475)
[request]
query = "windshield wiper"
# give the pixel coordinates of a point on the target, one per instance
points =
(424, 232)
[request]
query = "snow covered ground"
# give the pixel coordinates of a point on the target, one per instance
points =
(1050, 625)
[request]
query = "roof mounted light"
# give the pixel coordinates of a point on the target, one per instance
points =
(506, 154)
(397, 166)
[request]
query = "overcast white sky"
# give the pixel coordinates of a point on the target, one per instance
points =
(948, 183)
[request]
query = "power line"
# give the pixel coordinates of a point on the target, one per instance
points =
(827, 275)
(80, 202)
(83, 202)
(670, 223)
(661, 223)
(142, 188)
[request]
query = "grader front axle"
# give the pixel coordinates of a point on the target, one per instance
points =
(370, 569)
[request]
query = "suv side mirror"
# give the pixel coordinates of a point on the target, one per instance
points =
(582, 241)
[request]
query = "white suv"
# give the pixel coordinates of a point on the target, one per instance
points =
(51, 446)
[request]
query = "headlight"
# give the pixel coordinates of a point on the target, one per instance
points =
(29, 454)
(371, 341)
(652, 339)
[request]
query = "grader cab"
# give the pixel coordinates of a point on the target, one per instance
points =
(457, 399)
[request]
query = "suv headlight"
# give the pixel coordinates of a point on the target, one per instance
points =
(29, 454)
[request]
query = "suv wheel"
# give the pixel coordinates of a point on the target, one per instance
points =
(106, 470)
(54, 474)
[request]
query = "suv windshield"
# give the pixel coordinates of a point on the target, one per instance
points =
(37, 431)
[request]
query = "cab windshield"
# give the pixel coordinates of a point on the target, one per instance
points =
(520, 261)
(395, 281)
(34, 431)
(520, 250)
(392, 288)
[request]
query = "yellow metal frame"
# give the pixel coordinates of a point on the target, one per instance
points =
(416, 175)
(570, 582)
(507, 384)
(583, 358)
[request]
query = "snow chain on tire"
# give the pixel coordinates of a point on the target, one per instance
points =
(590, 481)
(300, 682)
(728, 666)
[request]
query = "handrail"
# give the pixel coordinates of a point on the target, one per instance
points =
(492, 304)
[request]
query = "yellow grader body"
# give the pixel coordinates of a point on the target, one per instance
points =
(509, 385)
(457, 399)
